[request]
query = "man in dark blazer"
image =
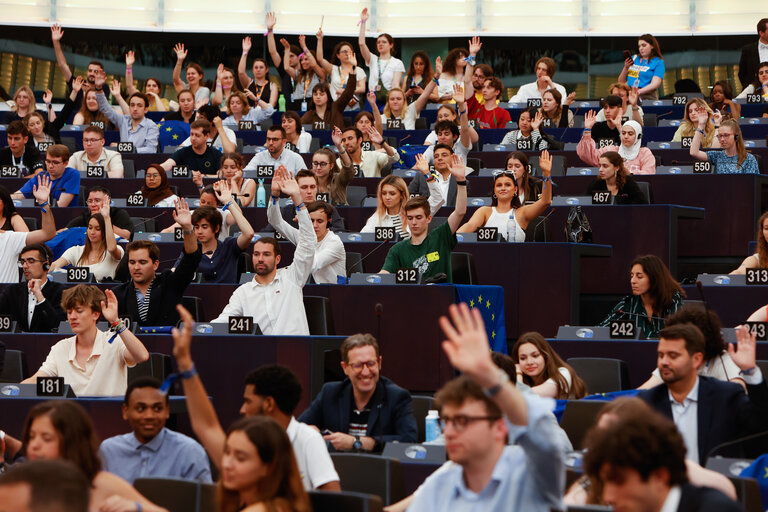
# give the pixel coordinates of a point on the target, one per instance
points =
(36, 293)
(708, 412)
(639, 462)
(365, 410)
(751, 54)
(159, 292)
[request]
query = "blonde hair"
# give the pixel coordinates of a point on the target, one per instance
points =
(387, 110)
(741, 150)
(30, 93)
(688, 128)
(399, 184)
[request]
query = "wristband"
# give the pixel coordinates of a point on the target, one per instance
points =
(471, 60)
(586, 131)
(437, 82)
(138, 506)
(226, 206)
(749, 372)
(187, 232)
(245, 52)
(42, 207)
(462, 113)
(299, 206)
(717, 126)
(494, 390)
(700, 131)
(128, 68)
(462, 183)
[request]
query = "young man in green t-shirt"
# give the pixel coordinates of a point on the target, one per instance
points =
(430, 253)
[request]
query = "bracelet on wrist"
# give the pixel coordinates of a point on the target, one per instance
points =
(700, 131)
(434, 79)
(462, 183)
(299, 206)
(224, 208)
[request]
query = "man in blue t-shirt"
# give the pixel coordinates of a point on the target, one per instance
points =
(65, 181)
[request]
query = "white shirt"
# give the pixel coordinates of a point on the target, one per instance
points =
(372, 162)
(216, 143)
(386, 70)
(685, 417)
(278, 307)
(435, 199)
(330, 257)
(531, 91)
(762, 50)
(305, 140)
(112, 162)
(337, 85)
(672, 502)
(11, 244)
(104, 268)
(409, 118)
(105, 372)
(627, 114)
(315, 464)
(458, 148)
(292, 161)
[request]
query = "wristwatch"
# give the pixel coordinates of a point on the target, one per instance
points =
(494, 390)
(357, 445)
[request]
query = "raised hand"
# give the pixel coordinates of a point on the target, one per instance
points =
(633, 95)
(336, 136)
(743, 351)
(422, 164)
(115, 89)
(285, 43)
(589, 119)
(371, 97)
(99, 79)
(77, 84)
(374, 135)
(438, 66)
(353, 60)
(247, 44)
(104, 210)
(458, 95)
(181, 215)
(467, 344)
(219, 71)
(364, 16)
(545, 163)
(570, 98)
(271, 20)
(250, 94)
(109, 310)
(703, 118)
(628, 62)
(42, 189)
(475, 45)
(181, 53)
(303, 42)
(277, 182)
(47, 97)
(182, 339)
(717, 117)
(223, 192)
(290, 187)
(130, 58)
(319, 34)
(458, 169)
(201, 103)
(197, 178)
(56, 32)
(537, 120)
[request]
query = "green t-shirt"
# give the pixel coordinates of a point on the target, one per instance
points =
(431, 257)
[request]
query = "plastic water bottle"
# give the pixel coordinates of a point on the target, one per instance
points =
(431, 428)
(261, 195)
(281, 103)
(511, 224)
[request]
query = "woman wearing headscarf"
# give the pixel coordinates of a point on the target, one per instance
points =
(156, 190)
(637, 160)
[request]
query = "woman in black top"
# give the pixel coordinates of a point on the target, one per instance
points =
(615, 178)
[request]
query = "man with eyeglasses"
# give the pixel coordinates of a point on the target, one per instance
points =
(479, 411)
(97, 197)
(365, 410)
(13, 242)
(35, 304)
(276, 154)
(64, 181)
(94, 154)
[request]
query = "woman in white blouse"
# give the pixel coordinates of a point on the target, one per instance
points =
(386, 71)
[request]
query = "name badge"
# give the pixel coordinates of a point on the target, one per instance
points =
(318, 125)
(394, 124)
(50, 386)
(383, 234)
(623, 329)
(534, 102)
(9, 171)
(757, 276)
(524, 144)
(679, 100)
(601, 198)
(489, 234)
(433, 256)
(604, 143)
(754, 98)
(366, 145)
(95, 171)
(759, 329)
(125, 147)
(135, 199)
(407, 276)
(100, 124)
(78, 275)
(246, 125)
(265, 171)
(686, 142)
(240, 325)
(5, 323)
(702, 167)
(180, 171)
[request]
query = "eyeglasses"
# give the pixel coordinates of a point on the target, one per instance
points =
(320, 164)
(28, 261)
(94, 201)
(359, 366)
(53, 162)
(274, 139)
(91, 141)
(723, 135)
(460, 421)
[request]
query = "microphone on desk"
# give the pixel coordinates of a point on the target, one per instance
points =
(360, 263)
(144, 222)
(536, 227)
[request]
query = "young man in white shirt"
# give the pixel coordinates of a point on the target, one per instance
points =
(93, 362)
(271, 390)
(330, 257)
(545, 72)
(276, 154)
(367, 163)
(274, 298)
(94, 154)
